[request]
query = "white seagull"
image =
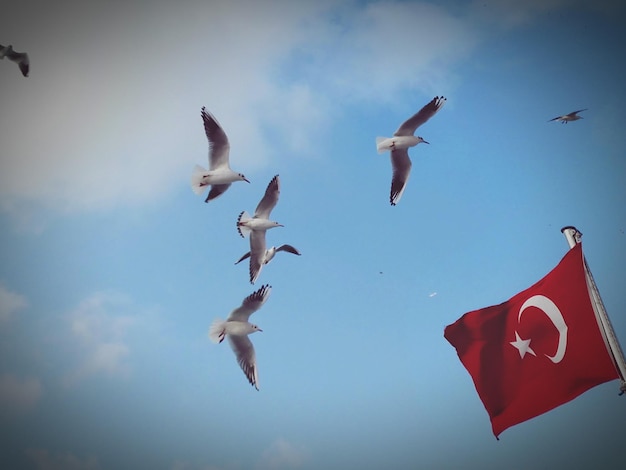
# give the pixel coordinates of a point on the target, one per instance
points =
(260, 261)
(257, 225)
(20, 58)
(219, 175)
(402, 139)
(237, 328)
(573, 116)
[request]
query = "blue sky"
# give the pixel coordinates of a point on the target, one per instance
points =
(111, 269)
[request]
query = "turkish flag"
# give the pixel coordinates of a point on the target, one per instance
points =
(536, 351)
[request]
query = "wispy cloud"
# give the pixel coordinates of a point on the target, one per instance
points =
(10, 302)
(99, 326)
(124, 127)
(44, 460)
(89, 146)
(282, 454)
(19, 394)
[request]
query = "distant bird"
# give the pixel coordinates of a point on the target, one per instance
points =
(262, 258)
(257, 225)
(402, 139)
(219, 175)
(573, 116)
(20, 58)
(237, 328)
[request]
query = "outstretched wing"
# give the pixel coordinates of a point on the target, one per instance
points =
(219, 147)
(244, 352)
(573, 113)
(270, 198)
(250, 304)
(409, 126)
(289, 249)
(247, 255)
(216, 191)
(257, 253)
(401, 165)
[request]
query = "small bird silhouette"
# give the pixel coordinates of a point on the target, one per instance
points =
(20, 58)
(573, 116)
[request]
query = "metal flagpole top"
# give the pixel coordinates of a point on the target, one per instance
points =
(572, 235)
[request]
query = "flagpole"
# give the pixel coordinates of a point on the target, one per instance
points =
(574, 237)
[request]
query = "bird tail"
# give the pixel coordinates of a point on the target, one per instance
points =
(196, 179)
(380, 146)
(242, 229)
(217, 330)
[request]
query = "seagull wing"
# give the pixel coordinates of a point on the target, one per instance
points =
(257, 253)
(250, 304)
(409, 126)
(244, 351)
(219, 147)
(270, 198)
(573, 113)
(401, 165)
(289, 249)
(556, 118)
(216, 191)
(247, 255)
(21, 59)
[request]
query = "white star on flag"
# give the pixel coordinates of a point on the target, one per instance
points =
(523, 346)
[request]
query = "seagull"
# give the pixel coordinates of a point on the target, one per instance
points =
(573, 116)
(261, 258)
(402, 139)
(219, 175)
(20, 58)
(257, 225)
(237, 328)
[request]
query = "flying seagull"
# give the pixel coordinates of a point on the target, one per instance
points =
(264, 257)
(219, 175)
(573, 116)
(402, 139)
(20, 58)
(237, 328)
(257, 225)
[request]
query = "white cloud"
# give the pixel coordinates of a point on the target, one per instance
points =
(10, 302)
(44, 460)
(99, 326)
(283, 455)
(115, 119)
(19, 394)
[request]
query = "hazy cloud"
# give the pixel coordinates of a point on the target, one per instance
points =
(283, 455)
(124, 127)
(44, 460)
(10, 302)
(99, 326)
(19, 394)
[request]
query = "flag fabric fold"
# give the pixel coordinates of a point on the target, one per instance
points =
(536, 351)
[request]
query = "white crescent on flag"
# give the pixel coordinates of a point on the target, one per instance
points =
(548, 307)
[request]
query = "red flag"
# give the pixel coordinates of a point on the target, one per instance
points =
(536, 351)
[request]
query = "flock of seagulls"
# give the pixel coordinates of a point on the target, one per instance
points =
(219, 177)
(20, 58)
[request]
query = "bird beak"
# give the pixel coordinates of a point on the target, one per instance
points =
(260, 330)
(426, 142)
(246, 180)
